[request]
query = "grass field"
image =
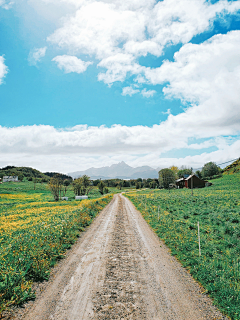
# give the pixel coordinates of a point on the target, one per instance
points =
(35, 232)
(217, 209)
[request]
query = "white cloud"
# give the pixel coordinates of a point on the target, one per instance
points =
(81, 147)
(129, 91)
(147, 93)
(36, 55)
(118, 66)
(106, 141)
(111, 30)
(207, 75)
(3, 69)
(6, 4)
(71, 64)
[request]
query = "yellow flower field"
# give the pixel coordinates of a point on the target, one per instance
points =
(34, 234)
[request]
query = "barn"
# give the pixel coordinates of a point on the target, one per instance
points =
(197, 182)
(186, 182)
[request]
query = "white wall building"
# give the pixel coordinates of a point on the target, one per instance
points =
(10, 179)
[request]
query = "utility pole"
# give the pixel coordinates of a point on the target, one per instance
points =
(192, 184)
(199, 245)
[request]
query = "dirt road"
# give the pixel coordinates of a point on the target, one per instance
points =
(120, 270)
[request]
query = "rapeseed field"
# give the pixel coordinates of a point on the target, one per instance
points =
(174, 216)
(35, 232)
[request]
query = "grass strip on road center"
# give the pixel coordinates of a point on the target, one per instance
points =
(217, 209)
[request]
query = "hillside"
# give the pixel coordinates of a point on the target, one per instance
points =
(232, 168)
(59, 175)
(23, 172)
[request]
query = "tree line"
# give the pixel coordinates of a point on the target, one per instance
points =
(168, 176)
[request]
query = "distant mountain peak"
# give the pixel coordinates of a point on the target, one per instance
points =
(119, 170)
(120, 164)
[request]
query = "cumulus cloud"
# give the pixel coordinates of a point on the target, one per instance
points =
(103, 140)
(47, 148)
(118, 32)
(71, 64)
(207, 75)
(129, 91)
(3, 69)
(36, 55)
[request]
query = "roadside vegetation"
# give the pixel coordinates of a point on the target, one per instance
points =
(174, 216)
(35, 232)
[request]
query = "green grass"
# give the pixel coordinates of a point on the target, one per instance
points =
(35, 232)
(217, 209)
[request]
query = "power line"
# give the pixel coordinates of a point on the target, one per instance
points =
(219, 164)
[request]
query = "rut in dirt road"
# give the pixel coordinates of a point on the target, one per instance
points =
(120, 270)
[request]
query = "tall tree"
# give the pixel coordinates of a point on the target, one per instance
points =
(101, 187)
(82, 186)
(210, 169)
(166, 176)
(183, 172)
(174, 169)
(55, 186)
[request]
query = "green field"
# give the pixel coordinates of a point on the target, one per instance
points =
(217, 209)
(35, 232)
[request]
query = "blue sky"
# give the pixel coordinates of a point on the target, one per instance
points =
(90, 83)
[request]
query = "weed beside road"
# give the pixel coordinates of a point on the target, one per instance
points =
(174, 217)
(35, 233)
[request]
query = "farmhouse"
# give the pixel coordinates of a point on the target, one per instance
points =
(186, 182)
(10, 179)
(180, 183)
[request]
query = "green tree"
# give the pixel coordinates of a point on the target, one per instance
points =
(55, 186)
(120, 185)
(82, 186)
(126, 184)
(101, 187)
(210, 169)
(66, 183)
(185, 171)
(153, 184)
(166, 176)
(138, 185)
(174, 169)
(105, 190)
(96, 182)
(199, 174)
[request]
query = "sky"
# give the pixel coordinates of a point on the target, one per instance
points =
(90, 83)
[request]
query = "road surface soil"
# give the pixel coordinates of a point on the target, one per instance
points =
(120, 270)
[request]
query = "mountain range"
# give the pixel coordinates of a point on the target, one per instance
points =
(120, 170)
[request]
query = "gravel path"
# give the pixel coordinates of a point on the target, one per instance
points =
(120, 270)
